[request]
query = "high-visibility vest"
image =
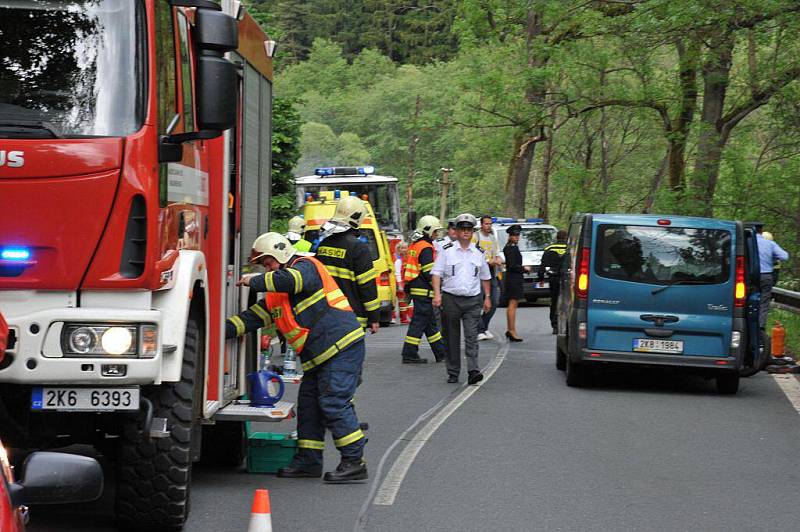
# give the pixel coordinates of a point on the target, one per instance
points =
(283, 314)
(413, 268)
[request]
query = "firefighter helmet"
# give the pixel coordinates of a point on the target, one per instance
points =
(350, 211)
(274, 245)
(466, 221)
(428, 225)
(297, 225)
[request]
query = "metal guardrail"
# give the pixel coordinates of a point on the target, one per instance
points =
(786, 299)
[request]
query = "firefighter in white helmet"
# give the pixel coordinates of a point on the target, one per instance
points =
(305, 304)
(349, 260)
(417, 278)
(295, 233)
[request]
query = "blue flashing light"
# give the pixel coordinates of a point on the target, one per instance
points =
(366, 170)
(494, 219)
(337, 194)
(506, 220)
(352, 193)
(323, 171)
(308, 196)
(535, 220)
(15, 254)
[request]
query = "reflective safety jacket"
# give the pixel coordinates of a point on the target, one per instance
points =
(302, 245)
(307, 306)
(349, 261)
(552, 258)
(417, 273)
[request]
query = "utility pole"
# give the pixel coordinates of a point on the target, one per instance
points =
(445, 186)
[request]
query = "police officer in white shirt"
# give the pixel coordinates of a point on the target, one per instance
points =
(457, 275)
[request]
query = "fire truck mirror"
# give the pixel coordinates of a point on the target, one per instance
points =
(217, 90)
(215, 31)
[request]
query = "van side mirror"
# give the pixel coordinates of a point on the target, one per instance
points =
(49, 478)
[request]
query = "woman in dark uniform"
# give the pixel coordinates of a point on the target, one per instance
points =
(513, 280)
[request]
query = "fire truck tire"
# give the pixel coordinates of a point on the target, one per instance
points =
(223, 444)
(154, 473)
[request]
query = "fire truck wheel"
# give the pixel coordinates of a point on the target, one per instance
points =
(154, 473)
(223, 444)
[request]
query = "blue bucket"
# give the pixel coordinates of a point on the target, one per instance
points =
(266, 388)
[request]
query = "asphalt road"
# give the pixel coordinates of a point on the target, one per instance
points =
(637, 451)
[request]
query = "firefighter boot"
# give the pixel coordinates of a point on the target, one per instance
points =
(301, 468)
(348, 471)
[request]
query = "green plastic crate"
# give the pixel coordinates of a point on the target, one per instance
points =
(269, 451)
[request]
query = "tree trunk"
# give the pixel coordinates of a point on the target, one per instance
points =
(544, 186)
(716, 75)
(679, 130)
(519, 169)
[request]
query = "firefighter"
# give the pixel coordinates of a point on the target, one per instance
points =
(551, 262)
(295, 232)
(305, 304)
(349, 261)
(417, 278)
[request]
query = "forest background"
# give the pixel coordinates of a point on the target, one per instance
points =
(545, 108)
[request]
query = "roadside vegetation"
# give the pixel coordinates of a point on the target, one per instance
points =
(549, 107)
(791, 321)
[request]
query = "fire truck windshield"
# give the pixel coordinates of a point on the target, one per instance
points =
(70, 68)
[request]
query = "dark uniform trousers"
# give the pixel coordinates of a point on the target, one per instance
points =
(324, 402)
(423, 321)
(454, 310)
(554, 290)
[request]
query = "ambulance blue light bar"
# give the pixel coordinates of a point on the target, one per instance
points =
(535, 220)
(344, 170)
(15, 254)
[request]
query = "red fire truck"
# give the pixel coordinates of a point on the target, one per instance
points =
(134, 174)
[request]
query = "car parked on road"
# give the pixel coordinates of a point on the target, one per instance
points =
(535, 236)
(47, 478)
(660, 291)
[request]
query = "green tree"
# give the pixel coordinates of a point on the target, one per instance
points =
(285, 154)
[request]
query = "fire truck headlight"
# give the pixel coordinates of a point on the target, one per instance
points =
(117, 340)
(82, 340)
(93, 339)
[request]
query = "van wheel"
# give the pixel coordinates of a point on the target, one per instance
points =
(561, 358)
(154, 474)
(728, 384)
(761, 359)
(576, 374)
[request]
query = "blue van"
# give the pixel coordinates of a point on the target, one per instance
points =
(660, 291)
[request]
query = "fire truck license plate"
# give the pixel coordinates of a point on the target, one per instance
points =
(91, 399)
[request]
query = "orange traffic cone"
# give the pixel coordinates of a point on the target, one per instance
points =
(260, 517)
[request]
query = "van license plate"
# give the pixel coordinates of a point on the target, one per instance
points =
(85, 399)
(648, 345)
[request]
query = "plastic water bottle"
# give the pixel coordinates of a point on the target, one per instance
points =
(290, 362)
(266, 352)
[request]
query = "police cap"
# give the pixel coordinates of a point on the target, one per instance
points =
(466, 221)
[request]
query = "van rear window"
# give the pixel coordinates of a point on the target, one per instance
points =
(663, 255)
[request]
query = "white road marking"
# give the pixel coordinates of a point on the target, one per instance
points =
(791, 388)
(394, 479)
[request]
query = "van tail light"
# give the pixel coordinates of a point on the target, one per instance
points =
(582, 279)
(740, 291)
(383, 279)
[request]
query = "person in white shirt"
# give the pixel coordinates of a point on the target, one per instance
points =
(487, 241)
(458, 274)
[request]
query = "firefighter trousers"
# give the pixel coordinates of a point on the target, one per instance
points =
(324, 402)
(423, 322)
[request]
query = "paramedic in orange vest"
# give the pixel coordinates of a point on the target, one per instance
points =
(417, 278)
(305, 304)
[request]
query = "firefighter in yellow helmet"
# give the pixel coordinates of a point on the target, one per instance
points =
(305, 304)
(349, 260)
(295, 233)
(417, 278)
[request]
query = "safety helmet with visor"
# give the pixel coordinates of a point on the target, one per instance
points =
(350, 211)
(274, 245)
(428, 225)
